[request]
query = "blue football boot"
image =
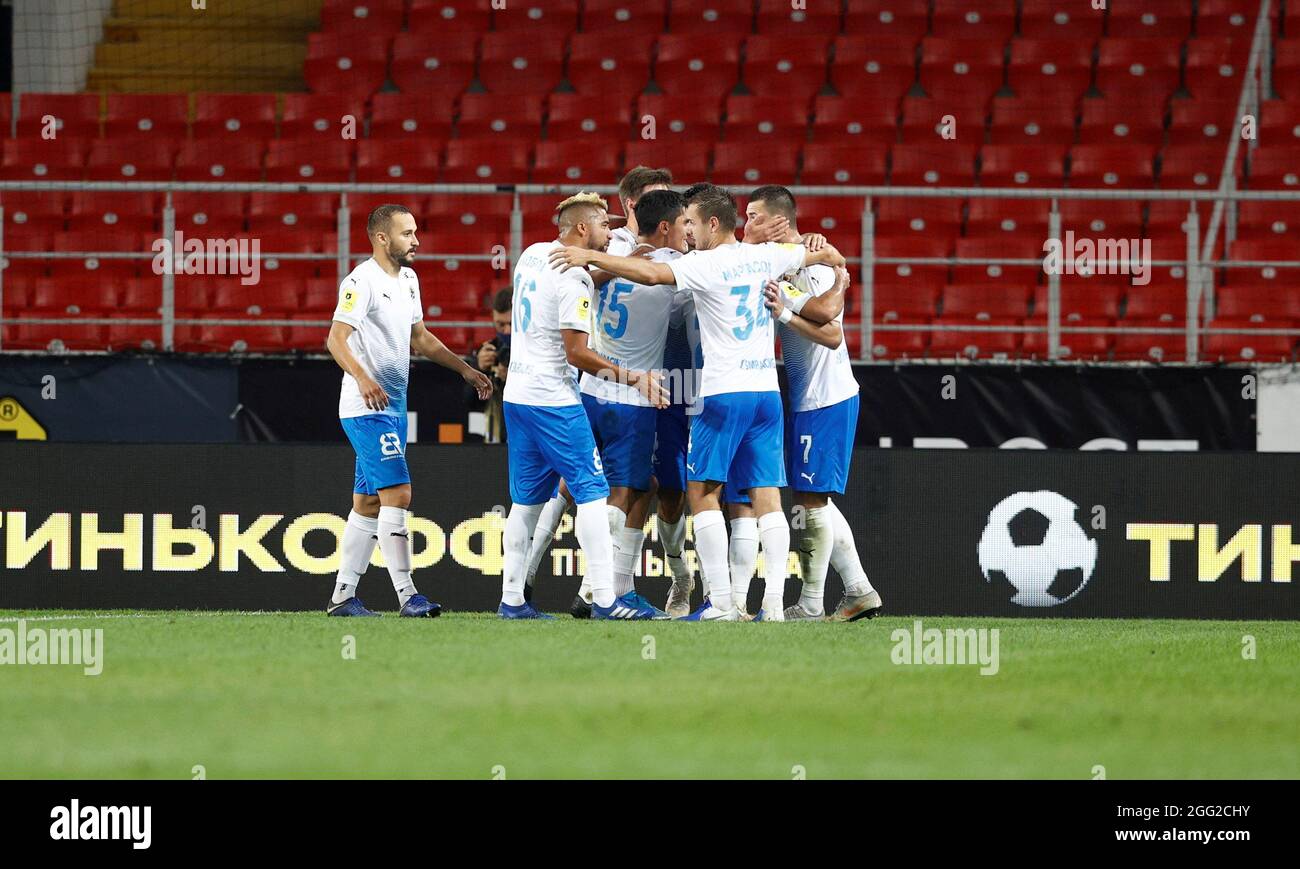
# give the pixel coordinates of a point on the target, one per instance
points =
(350, 607)
(420, 607)
(526, 610)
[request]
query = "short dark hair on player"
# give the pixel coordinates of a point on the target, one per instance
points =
(382, 218)
(715, 201)
(503, 300)
(776, 199)
(695, 188)
(638, 178)
(657, 206)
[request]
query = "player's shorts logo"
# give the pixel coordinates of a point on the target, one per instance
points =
(595, 460)
(389, 444)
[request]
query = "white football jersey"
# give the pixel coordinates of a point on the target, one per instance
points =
(621, 243)
(381, 311)
(629, 329)
(818, 375)
(546, 300)
(735, 326)
(683, 356)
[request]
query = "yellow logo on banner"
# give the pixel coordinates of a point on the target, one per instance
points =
(584, 308)
(15, 418)
(349, 300)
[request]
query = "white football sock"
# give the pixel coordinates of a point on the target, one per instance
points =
(591, 523)
(359, 541)
(672, 536)
(742, 555)
(549, 520)
(627, 554)
(844, 555)
(711, 549)
(774, 531)
(814, 547)
(520, 527)
(395, 543)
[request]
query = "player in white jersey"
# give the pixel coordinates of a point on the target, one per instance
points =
(737, 436)
(549, 435)
(378, 322)
(638, 181)
(820, 429)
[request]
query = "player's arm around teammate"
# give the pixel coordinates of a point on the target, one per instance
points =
(828, 333)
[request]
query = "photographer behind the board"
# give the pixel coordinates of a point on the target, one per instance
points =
(493, 359)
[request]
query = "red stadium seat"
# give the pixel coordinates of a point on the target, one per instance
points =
(218, 160)
(681, 119)
(1133, 66)
(470, 209)
(1279, 123)
(416, 117)
(622, 18)
(321, 161)
(1052, 19)
(304, 211)
(44, 160)
(922, 280)
(605, 66)
(937, 218)
(467, 18)
(986, 301)
(230, 297)
(830, 163)
(1022, 166)
(121, 337)
(755, 163)
(140, 296)
(765, 119)
(1231, 18)
(926, 120)
(1090, 301)
(844, 120)
(1275, 167)
(73, 296)
(1275, 249)
(321, 117)
(148, 159)
(712, 17)
(1112, 166)
(940, 164)
(72, 115)
(1257, 219)
(1122, 121)
(1208, 121)
(989, 20)
(1101, 218)
(1161, 306)
(999, 247)
(1150, 347)
(1244, 347)
(371, 16)
(837, 217)
(585, 120)
(896, 303)
(532, 15)
(1286, 67)
(780, 18)
(237, 339)
(1010, 217)
(698, 65)
(562, 163)
(248, 116)
(1258, 305)
(359, 76)
(889, 345)
(960, 67)
(103, 268)
(499, 116)
(140, 115)
(393, 161)
(486, 161)
(1042, 68)
(1074, 345)
(134, 212)
(522, 61)
(786, 67)
(905, 19)
(55, 338)
(1191, 166)
(1215, 66)
(432, 64)
(1157, 18)
(684, 162)
(974, 344)
(33, 212)
(1024, 122)
(882, 67)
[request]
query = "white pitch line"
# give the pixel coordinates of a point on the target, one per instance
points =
(129, 616)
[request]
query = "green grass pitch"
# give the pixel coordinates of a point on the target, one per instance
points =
(468, 696)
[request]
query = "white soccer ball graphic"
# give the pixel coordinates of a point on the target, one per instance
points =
(1031, 569)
